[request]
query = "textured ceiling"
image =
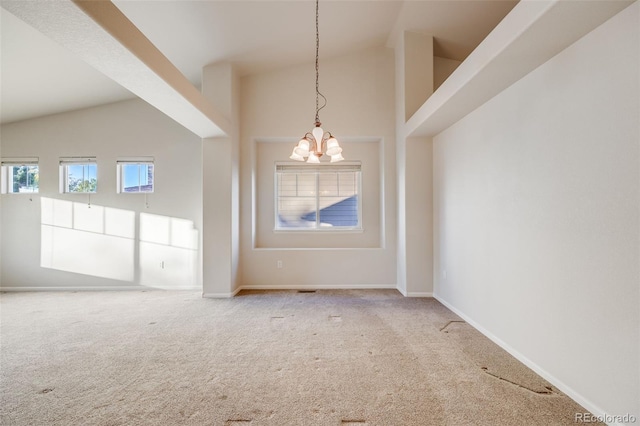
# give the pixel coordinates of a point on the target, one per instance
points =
(40, 77)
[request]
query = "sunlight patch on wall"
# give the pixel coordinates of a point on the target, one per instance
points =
(168, 252)
(91, 240)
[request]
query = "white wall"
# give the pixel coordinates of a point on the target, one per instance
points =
(220, 196)
(414, 77)
(536, 217)
(277, 109)
(57, 241)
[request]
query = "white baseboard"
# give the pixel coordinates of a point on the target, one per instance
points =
(98, 288)
(406, 293)
(321, 287)
(221, 295)
(567, 390)
(214, 295)
(318, 287)
(297, 287)
(419, 294)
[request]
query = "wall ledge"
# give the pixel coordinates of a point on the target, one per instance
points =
(531, 34)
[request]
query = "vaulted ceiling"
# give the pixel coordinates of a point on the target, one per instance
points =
(42, 76)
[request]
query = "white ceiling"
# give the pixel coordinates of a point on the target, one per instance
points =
(39, 77)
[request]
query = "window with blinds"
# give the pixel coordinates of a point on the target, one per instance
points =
(318, 197)
(78, 174)
(20, 175)
(135, 175)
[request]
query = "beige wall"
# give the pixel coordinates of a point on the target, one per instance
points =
(536, 198)
(442, 69)
(277, 109)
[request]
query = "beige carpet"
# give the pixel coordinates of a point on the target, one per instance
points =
(262, 358)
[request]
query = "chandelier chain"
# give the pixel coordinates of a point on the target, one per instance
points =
(318, 94)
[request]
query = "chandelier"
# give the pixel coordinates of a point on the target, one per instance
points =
(317, 142)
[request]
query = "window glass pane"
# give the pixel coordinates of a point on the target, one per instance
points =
(306, 184)
(288, 184)
(148, 176)
(136, 177)
(342, 209)
(82, 177)
(131, 177)
(348, 184)
(24, 178)
(293, 211)
(337, 211)
(328, 184)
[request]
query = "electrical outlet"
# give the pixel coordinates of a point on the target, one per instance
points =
(279, 264)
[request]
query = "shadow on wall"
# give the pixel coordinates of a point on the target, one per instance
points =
(101, 241)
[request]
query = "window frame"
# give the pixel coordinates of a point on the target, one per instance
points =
(6, 177)
(342, 167)
(64, 164)
(120, 171)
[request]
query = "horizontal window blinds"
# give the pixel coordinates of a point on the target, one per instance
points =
(313, 197)
(135, 160)
(309, 168)
(21, 161)
(76, 160)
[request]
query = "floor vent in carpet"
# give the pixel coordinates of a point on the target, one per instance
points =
(306, 291)
(237, 422)
(351, 422)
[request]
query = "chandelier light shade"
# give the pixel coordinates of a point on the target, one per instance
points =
(317, 143)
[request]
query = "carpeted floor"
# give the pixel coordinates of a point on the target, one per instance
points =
(354, 358)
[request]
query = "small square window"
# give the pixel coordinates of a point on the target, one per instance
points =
(77, 176)
(19, 177)
(135, 176)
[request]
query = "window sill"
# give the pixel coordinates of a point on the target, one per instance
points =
(319, 231)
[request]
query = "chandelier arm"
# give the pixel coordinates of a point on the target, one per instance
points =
(313, 146)
(323, 147)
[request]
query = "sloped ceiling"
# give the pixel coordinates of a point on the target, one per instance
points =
(41, 77)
